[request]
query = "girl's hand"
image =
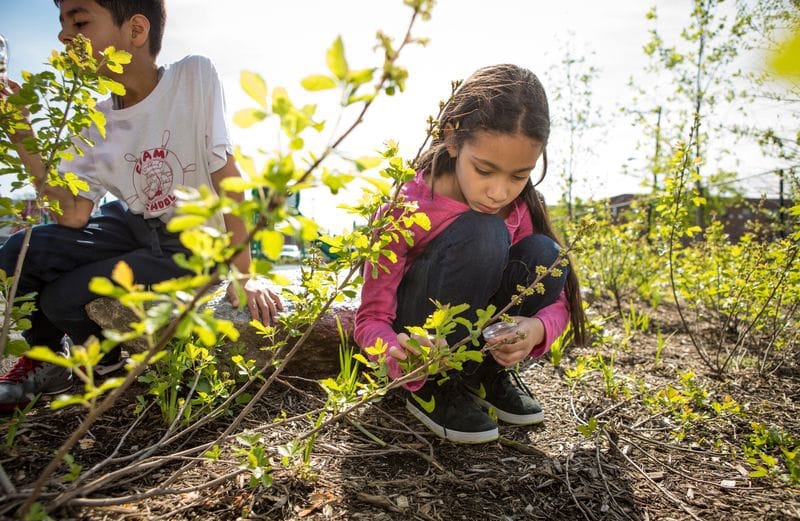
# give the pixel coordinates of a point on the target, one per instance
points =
(513, 347)
(406, 348)
(261, 301)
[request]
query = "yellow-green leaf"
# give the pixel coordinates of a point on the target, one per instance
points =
(330, 383)
(255, 87)
(107, 84)
(206, 336)
(318, 82)
(336, 60)
(227, 328)
(271, 243)
(64, 401)
(380, 184)
(245, 162)
(75, 184)
(367, 162)
(248, 117)
(45, 354)
(99, 120)
(360, 77)
(184, 222)
(119, 56)
(236, 184)
(360, 358)
(101, 286)
(786, 60)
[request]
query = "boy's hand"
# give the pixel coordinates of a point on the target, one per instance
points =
(263, 304)
(509, 349)
(12, 87)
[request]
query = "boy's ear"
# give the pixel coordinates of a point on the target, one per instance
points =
(139, 26)
(450, 140)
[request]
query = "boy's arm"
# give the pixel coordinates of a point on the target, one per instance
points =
(262, 303)
(75, 210)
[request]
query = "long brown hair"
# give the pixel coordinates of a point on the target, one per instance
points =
(505, 99)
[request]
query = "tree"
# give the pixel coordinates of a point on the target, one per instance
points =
(704, 72)
(574, 111)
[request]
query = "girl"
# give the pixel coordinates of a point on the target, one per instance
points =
(489, 230)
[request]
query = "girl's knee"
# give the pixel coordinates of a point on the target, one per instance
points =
(529, 254)
(479, 235)
(11, 249)
(537, 250)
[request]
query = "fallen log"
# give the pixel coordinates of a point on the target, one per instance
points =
(317, 358)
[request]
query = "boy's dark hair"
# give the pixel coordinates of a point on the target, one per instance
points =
(505, 99)
(122, 10)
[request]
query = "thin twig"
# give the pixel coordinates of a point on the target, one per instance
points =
(8, 486)
(658, 487)
(605, 481)
(586, 513)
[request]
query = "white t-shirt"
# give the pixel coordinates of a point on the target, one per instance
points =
(176, 136)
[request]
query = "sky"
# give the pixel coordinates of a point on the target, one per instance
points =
(285, 41)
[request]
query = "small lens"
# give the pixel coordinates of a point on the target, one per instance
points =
(3, 59)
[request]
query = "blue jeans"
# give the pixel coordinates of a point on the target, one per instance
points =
(61, 261)
(472, 261)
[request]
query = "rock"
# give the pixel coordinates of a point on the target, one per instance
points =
(317, 358)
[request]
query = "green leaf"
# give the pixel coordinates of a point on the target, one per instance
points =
(255, 87)
(589, 428)
(16, 347)
(336, 60)
(45, 354)
(473, 355)
(317, 82)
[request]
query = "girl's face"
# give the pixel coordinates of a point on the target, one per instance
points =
(493, 168)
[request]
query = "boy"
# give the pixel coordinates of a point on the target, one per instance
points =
(168, 130)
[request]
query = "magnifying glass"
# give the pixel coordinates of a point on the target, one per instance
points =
(3, 61)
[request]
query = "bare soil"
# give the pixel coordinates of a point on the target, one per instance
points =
(383, 465)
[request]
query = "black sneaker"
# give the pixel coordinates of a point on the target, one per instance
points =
(447, 410)
(28, 378)
(112, 361)
(513, 404)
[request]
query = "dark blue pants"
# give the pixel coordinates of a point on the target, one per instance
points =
(473, 262)
(61, 261)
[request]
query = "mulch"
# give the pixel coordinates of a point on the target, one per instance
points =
(382, 465)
